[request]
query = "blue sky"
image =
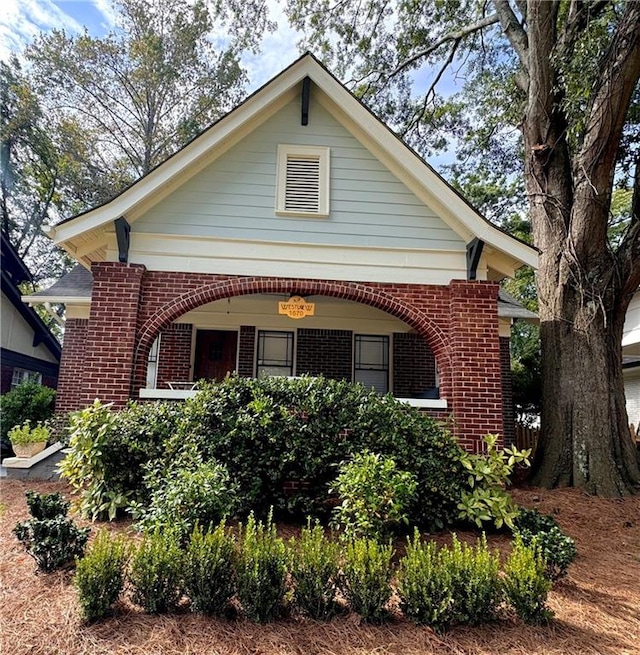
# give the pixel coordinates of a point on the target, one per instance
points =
(21, 20)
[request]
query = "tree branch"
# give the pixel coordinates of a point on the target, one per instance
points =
(514, 31)
(455, 36)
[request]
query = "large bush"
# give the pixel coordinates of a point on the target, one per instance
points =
(27, 402)
(272, 430)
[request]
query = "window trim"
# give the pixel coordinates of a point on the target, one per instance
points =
(26, 375)
(389, 357)
(322, 153)
(291, 340)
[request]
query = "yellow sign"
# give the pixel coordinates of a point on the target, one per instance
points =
(296, 307)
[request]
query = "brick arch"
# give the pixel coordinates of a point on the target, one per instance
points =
(428, 329)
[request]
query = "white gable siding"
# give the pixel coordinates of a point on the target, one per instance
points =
(234, 198)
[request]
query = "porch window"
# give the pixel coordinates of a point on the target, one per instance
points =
(21, 375)
(152, 364)
(371, 361)
(275, 353)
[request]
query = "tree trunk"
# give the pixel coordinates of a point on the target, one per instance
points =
(583, 294)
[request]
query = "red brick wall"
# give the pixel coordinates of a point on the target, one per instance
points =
(111, 335)
(508, 409)
(414, 366)
(325, 352)
(476, 394)
(459, 322)
(174, 359)
(71, 378)
(246, 351)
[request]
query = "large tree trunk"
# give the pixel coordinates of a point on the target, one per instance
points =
(583, 290)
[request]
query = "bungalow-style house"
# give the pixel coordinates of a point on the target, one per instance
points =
(28, 350)
(631, 360)
(296, 235)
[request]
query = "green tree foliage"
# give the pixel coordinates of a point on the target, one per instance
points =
(139, 93)
(548, 93)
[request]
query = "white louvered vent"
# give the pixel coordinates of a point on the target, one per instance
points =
(303, 181)
(302, 189)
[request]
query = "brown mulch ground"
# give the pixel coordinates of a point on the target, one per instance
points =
(597, 606)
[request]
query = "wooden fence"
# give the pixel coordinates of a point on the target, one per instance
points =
(527, 437)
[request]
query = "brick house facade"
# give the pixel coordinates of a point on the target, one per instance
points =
(189, 266)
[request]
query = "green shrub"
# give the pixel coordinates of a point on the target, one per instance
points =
(475, 581)
(525, 583)
(453, 585)
(187, 495)
(531, 520)
(156, 572)
(271, 430)
(375, 496)
(21, 435)
(366, 581)
(100, 575)
(488, 475)
(425, 585)
(53, 540)
(28, 401)
(110, 453)
(314, 567)
(209, 571)
(261, 570)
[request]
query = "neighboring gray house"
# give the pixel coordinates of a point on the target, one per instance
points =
(631, 360)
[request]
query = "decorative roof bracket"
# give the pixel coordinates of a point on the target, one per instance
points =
(474, 252)
(306, 92)
(123, 230)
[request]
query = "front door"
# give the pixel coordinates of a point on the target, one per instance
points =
(215, 354)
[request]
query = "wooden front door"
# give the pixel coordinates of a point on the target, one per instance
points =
(215, 354)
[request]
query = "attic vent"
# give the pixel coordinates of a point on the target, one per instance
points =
(302, 188)
(303, 181)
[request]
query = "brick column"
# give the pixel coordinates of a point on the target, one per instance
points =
(508, 408)
(476, 379)
(111, 334)
(246, 351)
(72, 362)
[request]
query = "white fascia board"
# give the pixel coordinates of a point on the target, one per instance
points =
(420, 178)
(35, 299)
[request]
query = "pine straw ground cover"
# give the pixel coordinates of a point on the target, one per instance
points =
(597, 606)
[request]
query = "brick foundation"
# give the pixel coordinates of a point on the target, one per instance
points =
(458, 323)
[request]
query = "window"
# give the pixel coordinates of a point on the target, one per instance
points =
(302, 181)
(21, 375)
(275, 353)
(152, 364)
(371, 361)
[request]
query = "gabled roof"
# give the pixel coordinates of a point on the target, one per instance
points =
(15, 271)
(84, 236)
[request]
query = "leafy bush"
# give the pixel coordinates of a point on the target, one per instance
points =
(271, 430)
(442, 587)
(314, 567)
(366, 581)
(100, 575)
(375, 496)
(558, 550)
(24, 434)
(209, 572)
(475, 581)
(425, 585)
(525, 583)
(187, 496)
(53, 540)
(261, 570)
(28, 401)
(488, 474)
(156, 572)
(110, 452)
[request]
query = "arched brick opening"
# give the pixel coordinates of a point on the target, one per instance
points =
(380, 299)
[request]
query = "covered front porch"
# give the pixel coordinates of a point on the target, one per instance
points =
(273, 334)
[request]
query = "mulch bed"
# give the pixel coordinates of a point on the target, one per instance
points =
(597, 606)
